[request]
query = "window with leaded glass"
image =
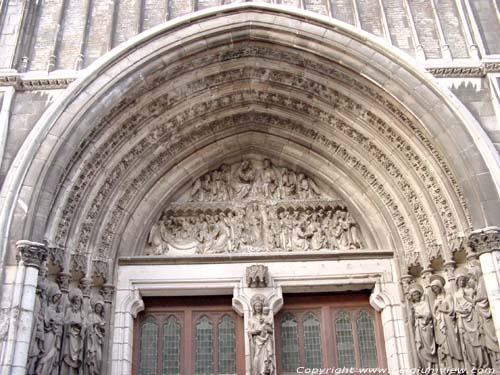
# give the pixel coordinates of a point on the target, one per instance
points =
(171, 346)
(148, 342)
(345, 341)
(312, 341)
(227, 346)
(289, 343)
(204, 362)
(366, 340)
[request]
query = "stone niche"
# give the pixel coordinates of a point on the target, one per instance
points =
(254, 206)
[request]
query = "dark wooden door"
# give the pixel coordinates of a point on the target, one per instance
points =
(188, 335)
(328, 331)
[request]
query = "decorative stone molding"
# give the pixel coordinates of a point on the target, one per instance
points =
(485, 240)
(257, 276)
(24, 82)
(33, 254)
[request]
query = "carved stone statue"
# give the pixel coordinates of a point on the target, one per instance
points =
(489, 339)
(72, 348)
(268, 180)
(468, 322)
(37, 343)
(261, 332)
(257, 276)
(48, 363)
(244, 179)
(445, 330)
(424, 328)
(94, 338)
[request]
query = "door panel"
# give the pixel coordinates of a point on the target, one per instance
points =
(185, 336)
(319, 331)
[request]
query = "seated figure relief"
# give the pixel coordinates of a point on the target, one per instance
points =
(252, 207)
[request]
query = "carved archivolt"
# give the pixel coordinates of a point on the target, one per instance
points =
(252, 207)
(170, 129)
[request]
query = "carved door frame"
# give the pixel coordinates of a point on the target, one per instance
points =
(201, 278)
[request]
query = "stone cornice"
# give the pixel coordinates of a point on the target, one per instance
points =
(33, 254)
(485, 240)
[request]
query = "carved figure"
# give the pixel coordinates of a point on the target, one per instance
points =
(261, 332)
(155, 239)
(445, 330)
(424, 328)
(468, 322)
(48, 363)
(288, 184)
(256, 276)
(37, 343)
(489, 339)
(307, 188)
(244, 179)
(72, 348)
(286, 231)
(274, 231)
(268, 180)
(94, 338)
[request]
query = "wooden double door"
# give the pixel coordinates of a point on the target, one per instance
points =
(204, 336)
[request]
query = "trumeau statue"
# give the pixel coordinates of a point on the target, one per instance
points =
(253, 207)
(261, 335)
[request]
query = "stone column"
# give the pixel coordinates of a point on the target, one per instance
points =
(486, 244)
(107, 293)
(257, 284)
(31, 256)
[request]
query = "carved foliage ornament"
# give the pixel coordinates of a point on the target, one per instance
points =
(33, 254)
(254, 207)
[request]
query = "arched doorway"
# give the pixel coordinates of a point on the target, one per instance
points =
(249, 82)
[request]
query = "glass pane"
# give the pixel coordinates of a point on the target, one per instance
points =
(366, 338)
(312, 341)
(289, 344)
(345, 341)
(171, 347)
(227, 346)
(149, 343)
(204, 347)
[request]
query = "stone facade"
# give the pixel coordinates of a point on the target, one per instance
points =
(253, 149)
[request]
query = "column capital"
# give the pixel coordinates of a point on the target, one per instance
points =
(33, 254)
(107, 292)
(484, 240)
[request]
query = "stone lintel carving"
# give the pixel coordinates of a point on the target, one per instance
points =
(33, 254)
(484, 240)
(257, 276)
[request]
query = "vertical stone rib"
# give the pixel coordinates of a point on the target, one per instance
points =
(58, 36)
(25, 34)
(357, 21)
(114, 16)
(83, 44)
(442, 40)
(419, 49)
(471, 43)
(385, 23)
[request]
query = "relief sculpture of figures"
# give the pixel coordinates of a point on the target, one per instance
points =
(261, 335)
(424, 328)
(468, 321)
(489, 339)
(445, 329)
(48, 362)
(253, 206)
(73, 340)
